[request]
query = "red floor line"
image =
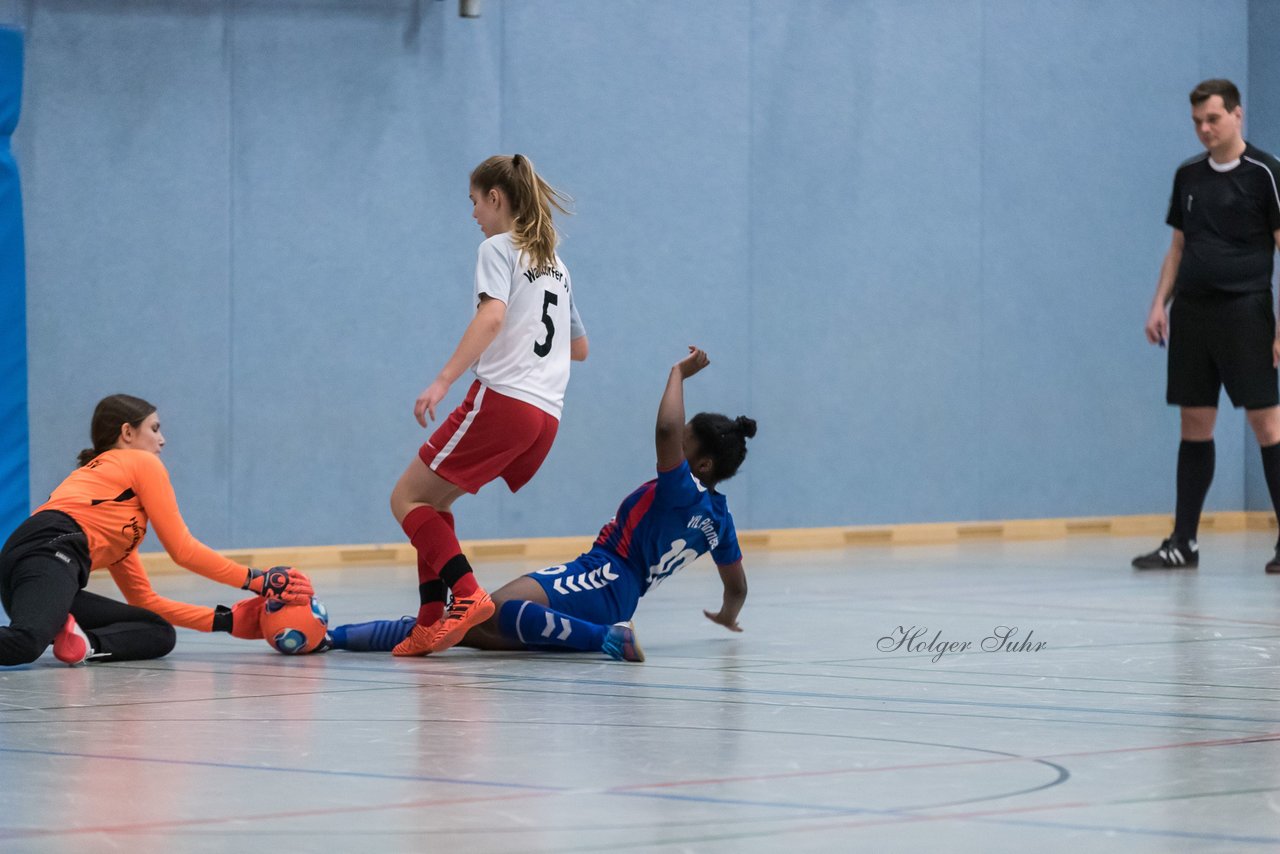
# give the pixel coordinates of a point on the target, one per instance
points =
(1218, 742)
(440, 802)
(195, 822)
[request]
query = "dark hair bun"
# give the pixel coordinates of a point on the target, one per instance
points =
(746, 426)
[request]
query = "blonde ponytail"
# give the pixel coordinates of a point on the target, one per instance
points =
(531, 199)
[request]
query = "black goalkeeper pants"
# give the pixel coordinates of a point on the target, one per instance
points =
(43, 569)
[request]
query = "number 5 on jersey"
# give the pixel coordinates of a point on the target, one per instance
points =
(548, 299)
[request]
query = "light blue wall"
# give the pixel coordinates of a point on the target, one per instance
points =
(918, 238)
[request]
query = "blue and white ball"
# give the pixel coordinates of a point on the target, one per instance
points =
(294, 629)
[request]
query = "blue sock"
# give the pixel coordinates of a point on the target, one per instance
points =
(536, 626)
(375, 636)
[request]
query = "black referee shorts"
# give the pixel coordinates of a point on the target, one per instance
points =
(1222, 341)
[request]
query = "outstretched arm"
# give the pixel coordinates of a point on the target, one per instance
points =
(151, 483)
(484, 327)
(241, 620)
(132, 580)
(669, 434)
(734, 578)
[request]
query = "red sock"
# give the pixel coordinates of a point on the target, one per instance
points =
(425, 572)
(433, 537)
(464, 585)
(431, 533)
(423, 525)
(412, 523)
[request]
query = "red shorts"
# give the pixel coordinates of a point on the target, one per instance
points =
(489, 436)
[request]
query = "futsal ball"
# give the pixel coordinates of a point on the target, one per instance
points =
(294, 629)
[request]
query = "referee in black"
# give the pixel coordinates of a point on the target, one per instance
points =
(1221, 326)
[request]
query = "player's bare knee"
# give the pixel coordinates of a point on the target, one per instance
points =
(1266, 425)
(1198, 424)
(397, 501)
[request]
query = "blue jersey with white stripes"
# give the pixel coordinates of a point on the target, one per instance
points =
(668, 523)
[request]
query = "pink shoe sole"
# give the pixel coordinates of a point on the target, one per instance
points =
(71, 645)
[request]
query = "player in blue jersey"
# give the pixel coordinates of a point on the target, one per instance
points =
(659, 529)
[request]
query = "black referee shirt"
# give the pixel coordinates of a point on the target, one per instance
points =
(1228, 220)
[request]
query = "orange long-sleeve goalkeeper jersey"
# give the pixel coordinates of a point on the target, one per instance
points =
(111, 498)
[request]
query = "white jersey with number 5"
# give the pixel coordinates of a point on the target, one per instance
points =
(529, 360)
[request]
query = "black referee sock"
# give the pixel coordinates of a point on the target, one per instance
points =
(1271, 468)
(1195, 473)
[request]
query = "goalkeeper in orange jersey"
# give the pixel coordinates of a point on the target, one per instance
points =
(95, 518)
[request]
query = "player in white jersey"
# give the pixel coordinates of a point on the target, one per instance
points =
(525, 332)
(529, 358)
(587, 603)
